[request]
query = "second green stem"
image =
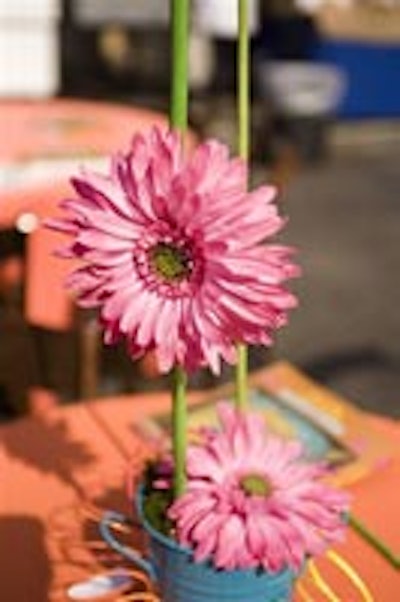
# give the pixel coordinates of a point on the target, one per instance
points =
(179, 421)
(178, 122)
(243, 100)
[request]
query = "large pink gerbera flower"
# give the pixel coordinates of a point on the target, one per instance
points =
(172, 254)
(251, 500)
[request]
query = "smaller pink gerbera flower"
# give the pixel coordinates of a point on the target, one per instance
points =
(252, 501)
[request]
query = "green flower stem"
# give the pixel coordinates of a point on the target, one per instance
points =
(179, 10)
(243, 82)
(241, 377)
(374, 540)
(179, 67)
(243, 100)
(179, 428)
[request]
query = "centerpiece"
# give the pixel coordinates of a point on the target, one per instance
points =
(177, 255)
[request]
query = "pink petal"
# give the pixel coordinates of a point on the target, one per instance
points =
(230, 543)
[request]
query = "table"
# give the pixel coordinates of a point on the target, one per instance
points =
(62, 129)
(52, 468)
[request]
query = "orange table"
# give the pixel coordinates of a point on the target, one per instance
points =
(67, 129)
(52, 468)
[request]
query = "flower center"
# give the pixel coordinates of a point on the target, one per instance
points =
(170, 261)
(255, 484)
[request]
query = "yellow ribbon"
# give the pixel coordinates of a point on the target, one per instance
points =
(320, 583)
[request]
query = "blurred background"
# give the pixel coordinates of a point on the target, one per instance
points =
(77, 77)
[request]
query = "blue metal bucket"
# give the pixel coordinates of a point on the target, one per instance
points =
(180, 579)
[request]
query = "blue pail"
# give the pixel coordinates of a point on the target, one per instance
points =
(180, 579)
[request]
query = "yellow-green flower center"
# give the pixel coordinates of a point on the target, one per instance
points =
(255, 484)
(170, 262)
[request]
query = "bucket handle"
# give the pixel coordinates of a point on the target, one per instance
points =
(109, 521)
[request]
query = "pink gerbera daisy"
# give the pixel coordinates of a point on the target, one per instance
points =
(171, 252)
(251, 500)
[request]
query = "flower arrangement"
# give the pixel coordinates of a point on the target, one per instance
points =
(177, 255)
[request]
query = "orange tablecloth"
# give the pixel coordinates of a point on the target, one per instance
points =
(51, 468)
(65, 128)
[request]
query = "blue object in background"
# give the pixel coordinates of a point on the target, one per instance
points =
(373, 76)
(371, 69)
